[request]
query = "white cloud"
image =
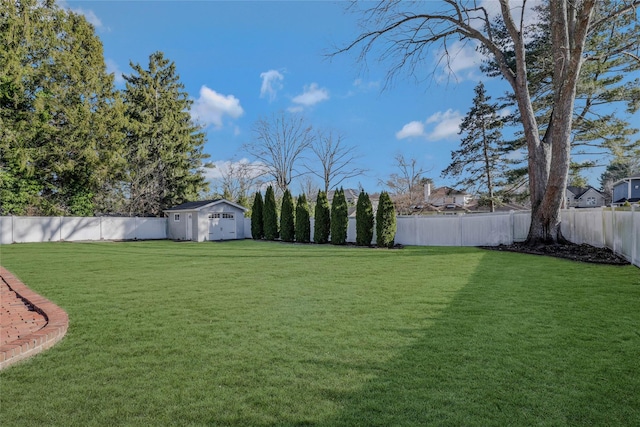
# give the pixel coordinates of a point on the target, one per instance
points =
(411, 130)
(461, 60)
(211, 107)
(530, 15)
(366, 86)
(311, 95)
(112, 67)
(271, 84)
(89, 15)
(447, 124)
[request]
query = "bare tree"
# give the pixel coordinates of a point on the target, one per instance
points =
(279, 143)
(239, 179)
(407, 184)
(309, 187)
(406, 36)
(336, 158)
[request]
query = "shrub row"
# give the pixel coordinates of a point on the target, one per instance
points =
(331, 223)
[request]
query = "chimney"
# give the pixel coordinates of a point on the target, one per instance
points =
(427, 191)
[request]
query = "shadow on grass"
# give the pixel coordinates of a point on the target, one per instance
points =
(515, 352)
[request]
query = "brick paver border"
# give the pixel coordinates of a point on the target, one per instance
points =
(40, 340)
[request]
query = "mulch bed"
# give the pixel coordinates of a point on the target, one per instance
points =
(582, 253)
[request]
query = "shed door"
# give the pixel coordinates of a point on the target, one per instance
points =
(189, 225)
(222, 226)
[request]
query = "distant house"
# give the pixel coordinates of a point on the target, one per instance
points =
(217, 219)
(446, 196)
(626, 190)
(350, 194)
(583, 197)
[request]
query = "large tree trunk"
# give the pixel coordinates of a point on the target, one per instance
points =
(569, 25)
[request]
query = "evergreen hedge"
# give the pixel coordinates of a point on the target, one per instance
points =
(322, 226)
(270, 215)
(364, 220)
(287, 218)
(339, 218)
(257, 221)
(303, 225)
(385, 222)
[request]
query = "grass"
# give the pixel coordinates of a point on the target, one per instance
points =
(257, 333)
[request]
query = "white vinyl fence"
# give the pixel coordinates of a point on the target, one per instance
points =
(23, 229)
(615, 228)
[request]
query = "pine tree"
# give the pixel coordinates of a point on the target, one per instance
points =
(364, 220)
(270, 215)
(339, 218)
(257, 221)
(287, 218)
(165, 155)
(385, 222)
(478, 160)
(60, 116)
(303, 225)
(322, 226)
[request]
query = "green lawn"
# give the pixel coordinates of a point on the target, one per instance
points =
(267, 334)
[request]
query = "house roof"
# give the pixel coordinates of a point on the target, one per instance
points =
(349, 193)
(447, 191)
(580, 191)
(196, 206)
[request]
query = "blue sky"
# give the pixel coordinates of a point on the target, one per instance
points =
(242, 60)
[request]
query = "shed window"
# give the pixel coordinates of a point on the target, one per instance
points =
(223, 215)
(591, 200)
(176, 217)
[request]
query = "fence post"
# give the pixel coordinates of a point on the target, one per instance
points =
(613, 229)
(604, 227)
(634, 236)
(511, 237)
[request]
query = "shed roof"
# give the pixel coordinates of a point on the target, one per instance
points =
(196, 206)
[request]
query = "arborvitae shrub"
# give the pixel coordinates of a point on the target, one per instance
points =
(270, 215)
(364, 220)
(339, 218)
(385, 222)
(322, 226)
(257, 221)
(287, 220)
(303, 225)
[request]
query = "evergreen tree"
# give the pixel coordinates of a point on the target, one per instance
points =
(287, 218)
(270, 215)
(303, 225)
(60, 117)
(165, 156)
(257, 221)
(339, 218)
(364, 220)
(385, 221)
(478, 160)
(322, 226)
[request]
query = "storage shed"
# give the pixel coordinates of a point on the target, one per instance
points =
(217, 219)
